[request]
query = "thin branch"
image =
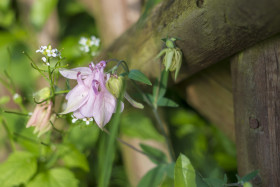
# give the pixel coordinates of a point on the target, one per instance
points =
(132, 147)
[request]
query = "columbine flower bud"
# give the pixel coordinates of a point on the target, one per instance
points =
(17, 98)
(114, 85)
(42, 94)
(172, 59)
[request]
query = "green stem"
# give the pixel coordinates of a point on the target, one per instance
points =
(12, 143)
(51, 84)
(17, 113)
(168, 142)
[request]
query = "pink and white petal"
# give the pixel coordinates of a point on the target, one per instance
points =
(78, 114)
(104, 107)
(88, 107)
(78, 97)
(34, 118)
(72, 73)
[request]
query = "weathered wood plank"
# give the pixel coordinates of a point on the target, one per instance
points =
(210, 32)
(256, 83)
(210, 92)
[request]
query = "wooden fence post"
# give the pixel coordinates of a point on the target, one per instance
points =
(256, 90)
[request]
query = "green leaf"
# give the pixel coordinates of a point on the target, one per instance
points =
(17, 169)
(184, 172)
(41, 10)
(213, 182)
(249, 176)
(73, 158)
(153, 178)
(166, 102)
(137, 125)
(57, 177)
(83, 137)
(138, 76)
(155, 155)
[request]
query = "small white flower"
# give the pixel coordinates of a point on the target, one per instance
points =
(30, 113)
(83, 41)
(44, 59)
(47, 51)
(74, 119)
(87, 43)
(48, 64)
(87, 120)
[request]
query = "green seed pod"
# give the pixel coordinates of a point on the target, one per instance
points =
(114, 85)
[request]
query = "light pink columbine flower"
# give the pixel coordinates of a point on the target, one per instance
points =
(41, 117)
(90, 97)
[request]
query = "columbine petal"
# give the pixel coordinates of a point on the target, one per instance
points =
(104, 107)
(76, 98)
(72, 73)
(88, 107)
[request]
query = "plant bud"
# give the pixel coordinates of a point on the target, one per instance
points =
(173, 60)
(114, 85)
(169, 43)
(42, 94)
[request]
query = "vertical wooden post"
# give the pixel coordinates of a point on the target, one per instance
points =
(256, 90)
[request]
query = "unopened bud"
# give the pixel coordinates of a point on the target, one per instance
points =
(17, 98)
(169, 43)
(114, 85)
(42, 94)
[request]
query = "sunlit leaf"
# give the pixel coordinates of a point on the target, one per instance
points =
(184, 172)
(17, 169)
(57, 177)
(138, 76)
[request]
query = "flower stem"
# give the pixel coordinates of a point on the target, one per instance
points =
(12, 143)
(51, 84)
(14, 112)
(132, 147)
(168, 142)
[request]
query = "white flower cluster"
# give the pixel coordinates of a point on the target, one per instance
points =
(87, 120)
(88, 43)
(49, 53)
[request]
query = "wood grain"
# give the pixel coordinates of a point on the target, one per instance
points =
(210, 31)
(256, 83)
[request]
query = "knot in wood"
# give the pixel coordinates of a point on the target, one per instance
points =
(199, 3)
(254, 123)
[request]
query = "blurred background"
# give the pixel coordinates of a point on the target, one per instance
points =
(25, 25)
